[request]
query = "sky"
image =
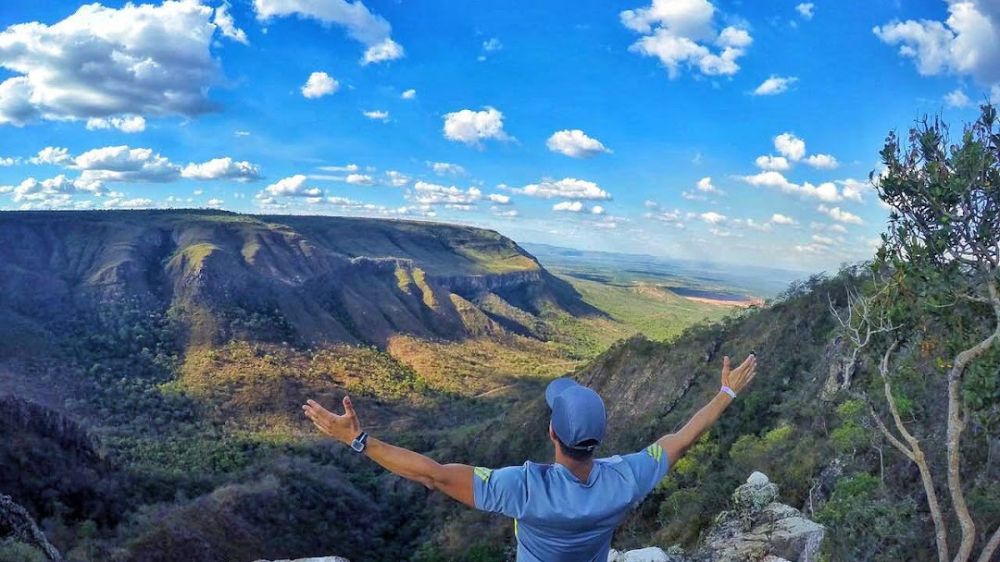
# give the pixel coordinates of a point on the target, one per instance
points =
(733, 132)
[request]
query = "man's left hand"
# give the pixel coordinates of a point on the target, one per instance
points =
(341, 427)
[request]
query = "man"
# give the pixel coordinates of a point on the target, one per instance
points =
(566, 511)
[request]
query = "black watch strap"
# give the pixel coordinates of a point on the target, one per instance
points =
(360, 442)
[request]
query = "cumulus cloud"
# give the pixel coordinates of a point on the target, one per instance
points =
(359, 179)
(778, 218)
(57, 190)
(319, 84)
(957, 98)
(227, 25)
(575, 144)
(123, 163)
(127, 124)
(776, 163)
(372, 30)
(492, 44)
(839, 215)
(568, 206)
(126, 203)
(712, 217)
(222, 168)
(292, 186)
(774, 85)
(682, 34)
(473, 127)
(805, 10)
(965, 44)
(54, 155)
(854, 189)
(215, 203)
(499, 199)
(409, 94)
(790, 146)
(597, 210)
(101, 62)
(822, 161)
(566, 188)
(826, 191)
(8, 161)
(425, 193)
(705, 186)
(446, 168)
(396, 179)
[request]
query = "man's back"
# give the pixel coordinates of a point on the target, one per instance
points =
(558, 518)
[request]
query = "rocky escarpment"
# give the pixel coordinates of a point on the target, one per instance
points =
(757, 528)
(19, 533)
(321, 279)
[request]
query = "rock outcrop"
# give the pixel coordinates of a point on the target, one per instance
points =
(757, 529)
(16, 525)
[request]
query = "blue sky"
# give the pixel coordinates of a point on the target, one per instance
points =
(583, 124)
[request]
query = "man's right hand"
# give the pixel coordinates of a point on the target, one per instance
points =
(741, 376)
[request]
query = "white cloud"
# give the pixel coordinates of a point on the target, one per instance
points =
(492, 44)
(142, 59)
(425, 193)
(705, 185)
(778, 218)
(409, 94)
(396, 179)
(473, 127)
(566, 188)
(361, 24)
(790, 146)
(227, 26)
(805, 10)
(506, 213)
(359, 179)
(712, 217)
(446, 168)
(597, 210)
(56, 191)
(222, 168)
(965, 44)
(681, 33)
(344, 168)
(123, 163)
(292, 186)
(854, 189)
(774, 85)
(839, 215)
(957, 98)
(776, 163)
(499, 199)
(575, 144)
(568, 206)
(53, 155)
(822, 161)
(376, 115)
(127, 124)
(215, 203)
(7, 161)
(826, 191)
(319, 84)
(824, 240)
(123, 203)
(385, 51)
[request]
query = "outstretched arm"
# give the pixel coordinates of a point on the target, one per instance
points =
(454, 480)
(676, 444)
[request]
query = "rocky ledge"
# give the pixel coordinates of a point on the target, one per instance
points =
(758, 528)
(17, 527)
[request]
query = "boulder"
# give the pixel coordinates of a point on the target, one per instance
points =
(649, 554)
(760, 528)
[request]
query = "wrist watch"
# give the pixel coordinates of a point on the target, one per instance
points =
(360, 442)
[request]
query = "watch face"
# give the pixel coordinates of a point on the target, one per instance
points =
(357, 445)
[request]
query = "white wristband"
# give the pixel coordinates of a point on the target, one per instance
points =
(728, 391)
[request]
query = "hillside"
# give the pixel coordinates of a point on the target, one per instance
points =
(315, 279)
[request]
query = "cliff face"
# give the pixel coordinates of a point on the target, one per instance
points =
(329, 279)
